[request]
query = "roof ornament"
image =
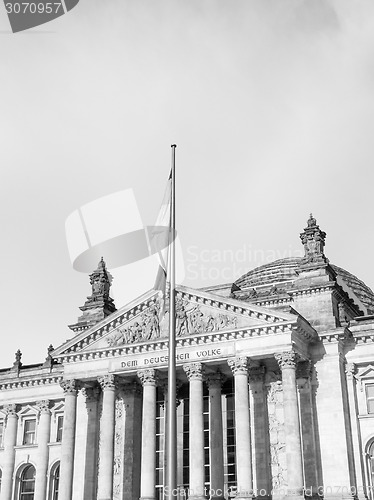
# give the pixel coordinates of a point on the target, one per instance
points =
(312, 221)
(17, 363)
(313, 240)
(99, 304)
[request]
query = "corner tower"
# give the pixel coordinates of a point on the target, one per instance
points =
(99, 304)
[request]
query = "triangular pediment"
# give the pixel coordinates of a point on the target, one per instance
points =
(197, 312)
(366, 372)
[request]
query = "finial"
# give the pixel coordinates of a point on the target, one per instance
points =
(50, 349)
(17, 363)
(101, 264)
(18, 356)
(311, 221)
(313, 240)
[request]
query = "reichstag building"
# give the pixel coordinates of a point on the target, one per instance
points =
(275, 392)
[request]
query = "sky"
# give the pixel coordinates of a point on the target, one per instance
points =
(270, 103)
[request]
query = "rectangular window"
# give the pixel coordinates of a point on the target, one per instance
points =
(60, 424)
(160, 443)
(29, 432)
(370, 398)
(1, 434)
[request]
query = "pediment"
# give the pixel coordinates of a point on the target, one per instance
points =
(144, 320)
(367, 372)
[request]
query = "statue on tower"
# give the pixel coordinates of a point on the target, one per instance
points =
(313, 240)
(99, 304)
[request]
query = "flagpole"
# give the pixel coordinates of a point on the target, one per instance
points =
(171, 442)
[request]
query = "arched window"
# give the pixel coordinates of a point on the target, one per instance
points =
(54, 481)
(27, 483)
(370, 466)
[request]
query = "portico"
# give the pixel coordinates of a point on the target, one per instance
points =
(210, 365)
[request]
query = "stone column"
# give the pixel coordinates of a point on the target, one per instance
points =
(91, 395)
(70, 388)
(239, 367)
(360, 485)
(287, 362)
(214, 382)
(148, 460)
(44, 432)
(195, 374)
(106, 448)
(10, 441)
(132, 440)
(261, 441)
(307, 428)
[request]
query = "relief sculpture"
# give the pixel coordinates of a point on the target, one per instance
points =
(189, 319)
(276, 432)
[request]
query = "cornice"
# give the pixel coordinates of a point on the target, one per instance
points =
(313, 290)
(230, 305)
(363, 337)
(336, 336)
(31, 382)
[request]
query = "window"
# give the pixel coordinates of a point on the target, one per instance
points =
(27, 483)
(370, 468)
(1, 434)
(229, 442)
(370, 397)
(60, 424)
(160, 443)
(55, 482)
(29, 431)
(1, 477)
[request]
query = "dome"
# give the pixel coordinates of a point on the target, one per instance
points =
(286, 270)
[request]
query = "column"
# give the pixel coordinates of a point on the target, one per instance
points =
(287, 362)
(239, 367)
(132, 440)
(91, 395)
(70, 388)
(307, 428)
(195, 373)
(351, 370)
(214, 382)
(10, 440)
(106, 447)
(261, 442)
(44, 432)
(148, 459)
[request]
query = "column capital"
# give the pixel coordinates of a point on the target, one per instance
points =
(239, 365)
(215, 380)
(10, 410)
(256, 374)
(287, 359)
(350, 370)
(107, 382)
(194, 371)
(148, 376)
(70, 387)
(43, 406)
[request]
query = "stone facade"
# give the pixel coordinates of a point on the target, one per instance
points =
(275, 392)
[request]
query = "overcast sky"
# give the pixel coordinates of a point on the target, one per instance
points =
(271, 104)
